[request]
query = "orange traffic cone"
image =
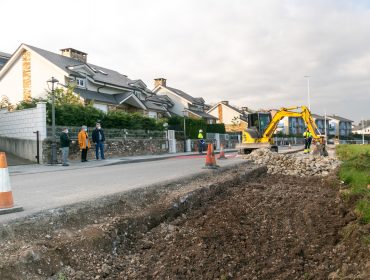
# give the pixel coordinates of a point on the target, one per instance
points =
(222, 153)
(6, 196)
(210, 158)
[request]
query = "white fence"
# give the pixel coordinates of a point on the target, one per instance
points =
(18, 131)
(23, 123)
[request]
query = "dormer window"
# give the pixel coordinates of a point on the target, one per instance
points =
(81, 82)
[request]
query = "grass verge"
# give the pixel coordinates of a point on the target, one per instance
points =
(355, 172)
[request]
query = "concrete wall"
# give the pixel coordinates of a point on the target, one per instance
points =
(17, 131)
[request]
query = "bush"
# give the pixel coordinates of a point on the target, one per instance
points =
(216, 128)
(193, 126)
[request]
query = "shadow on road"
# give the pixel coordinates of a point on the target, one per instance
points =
(14, 160)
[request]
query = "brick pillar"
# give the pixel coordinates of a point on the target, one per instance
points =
(220, 119)
(26, 59)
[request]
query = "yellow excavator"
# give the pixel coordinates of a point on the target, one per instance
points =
(261, 127)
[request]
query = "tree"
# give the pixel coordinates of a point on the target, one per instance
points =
(30, 103)
(5, 103)
(64, 96)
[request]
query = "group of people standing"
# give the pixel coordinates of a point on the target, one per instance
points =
(98, 138)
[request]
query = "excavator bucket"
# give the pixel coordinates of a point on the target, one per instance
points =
(320, 149)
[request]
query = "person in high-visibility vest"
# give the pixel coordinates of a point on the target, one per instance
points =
(307, 141)
(200, 141)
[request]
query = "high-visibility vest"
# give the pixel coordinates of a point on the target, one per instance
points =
(307, 134)
(200, 135)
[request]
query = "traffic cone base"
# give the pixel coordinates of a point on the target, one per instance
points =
(6, 196)
(222, 153)
(6, 200)
(210, 158)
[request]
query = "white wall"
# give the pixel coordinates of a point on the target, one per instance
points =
(101, 106)
(11, 84)
(228, 114)
(180, 103)
(42, 71)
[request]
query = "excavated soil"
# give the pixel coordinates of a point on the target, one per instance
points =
(241, 227)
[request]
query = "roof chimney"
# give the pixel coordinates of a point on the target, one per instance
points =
(75, 54)
(225, 102)
(160, 82)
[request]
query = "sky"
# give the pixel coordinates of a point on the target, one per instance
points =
(253, 53)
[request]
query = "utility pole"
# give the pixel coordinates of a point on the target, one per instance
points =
(54, 160)
(184, 130)
(326, 135)
(308, 92)
(363, 132)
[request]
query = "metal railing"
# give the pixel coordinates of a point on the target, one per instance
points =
(285, 141)
(354, 142)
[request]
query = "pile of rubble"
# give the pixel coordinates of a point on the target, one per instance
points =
(293, 164)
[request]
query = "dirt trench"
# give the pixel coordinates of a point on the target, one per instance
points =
(237, 224)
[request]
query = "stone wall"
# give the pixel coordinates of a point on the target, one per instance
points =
(113, 148)
(26, 59)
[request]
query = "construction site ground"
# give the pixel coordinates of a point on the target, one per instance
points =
(235, 223)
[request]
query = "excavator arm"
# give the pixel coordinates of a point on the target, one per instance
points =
(288, 112)
(255, 139)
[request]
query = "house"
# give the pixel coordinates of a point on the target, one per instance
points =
(339, 126)
(234, 119)
(360, 130)
(183, 103)
(4, 57)
(25, 74)
(320, 123)
(292, 126)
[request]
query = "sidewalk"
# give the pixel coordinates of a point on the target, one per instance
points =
(41, 168)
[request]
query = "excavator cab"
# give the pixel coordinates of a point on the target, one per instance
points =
(253, 136)
(259, 122)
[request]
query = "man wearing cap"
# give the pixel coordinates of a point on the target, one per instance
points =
(98, 138)
(64, 146)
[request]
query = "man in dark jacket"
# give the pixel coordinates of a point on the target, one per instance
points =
(64, 146)
(98, 138)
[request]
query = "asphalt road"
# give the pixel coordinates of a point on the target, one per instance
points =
(48, 190)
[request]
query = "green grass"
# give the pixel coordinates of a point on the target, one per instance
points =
(355, 172)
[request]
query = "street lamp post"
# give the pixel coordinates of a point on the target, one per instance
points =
(184, 130)
(363, 132)
(54, 161)
(308, 92)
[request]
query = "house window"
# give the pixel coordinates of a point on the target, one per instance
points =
(152, 114)
(101, 107)
(80, 82)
